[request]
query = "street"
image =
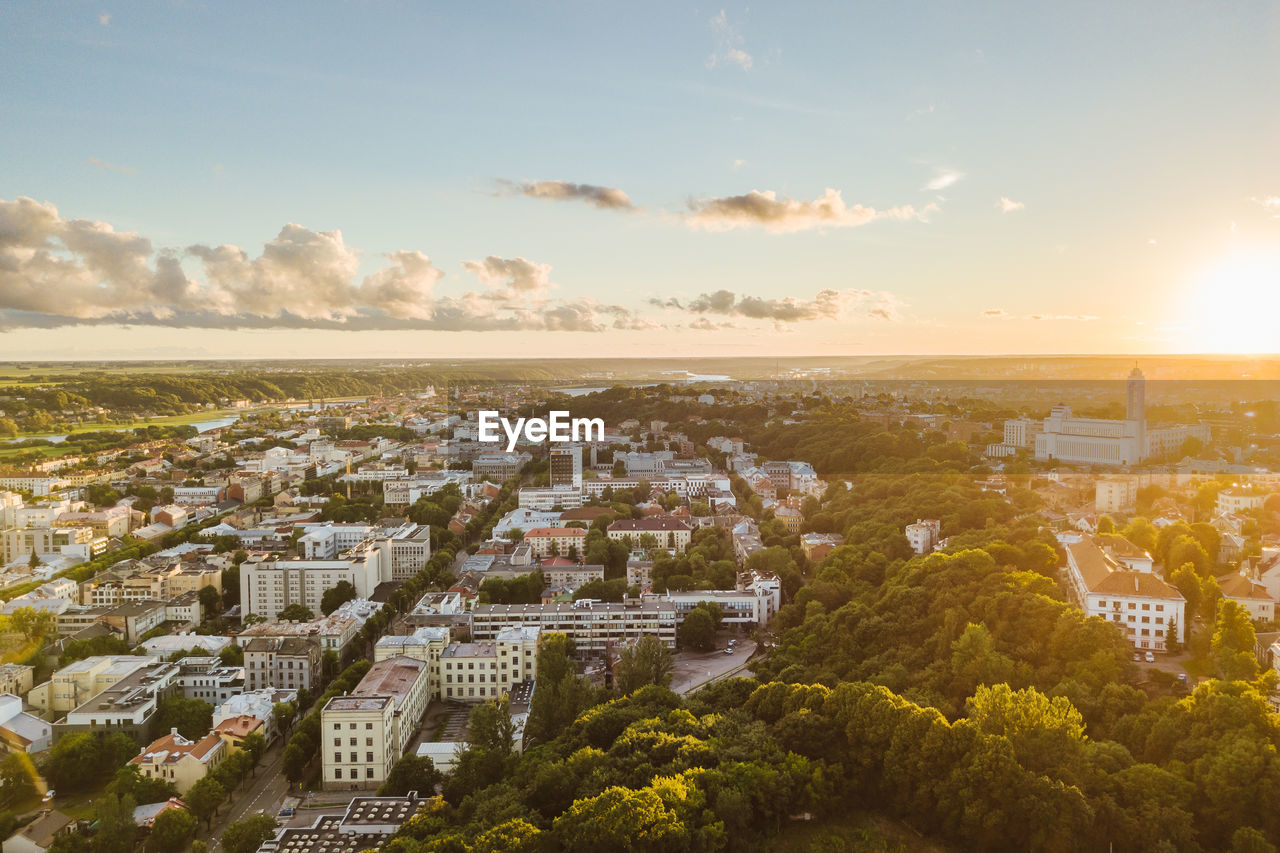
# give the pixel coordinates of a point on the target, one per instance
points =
(263, 792)
(695, 669)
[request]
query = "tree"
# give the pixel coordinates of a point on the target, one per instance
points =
(561, 695)
(411, 773)
(647, 661)
(232, 655)
(117, 833)
(698, 630)
(193, 718)
(129, 781)
(254, 745)
(620, 819)
(171, 830)
(246, 836)
(8, 428)
(253, 619)
(336, 596)
(32, 623)
(34, 562)
(1233, 643)
(490, 728)
(210, 601)
(204, 798)
(295, 613)
(17, 778)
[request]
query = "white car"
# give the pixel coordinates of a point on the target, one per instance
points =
(1151, 658)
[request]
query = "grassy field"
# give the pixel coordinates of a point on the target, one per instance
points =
(857, 832)
(47, 452)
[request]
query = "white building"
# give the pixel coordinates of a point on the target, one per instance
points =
(547, 499)
(1238, 500)
(594, 626)
(924, 534)
(1120, 586)
(363, 734)
(481, 671)
(20, 731)
(1117, 493)
(270, 584)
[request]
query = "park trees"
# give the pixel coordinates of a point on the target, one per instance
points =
(647, 661)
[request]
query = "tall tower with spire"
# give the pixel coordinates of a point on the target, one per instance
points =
(1135, 406)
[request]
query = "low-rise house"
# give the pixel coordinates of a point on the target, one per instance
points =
(180, 761)
(38, 835)
(1250, 595)
(20, 731)
(291, 663)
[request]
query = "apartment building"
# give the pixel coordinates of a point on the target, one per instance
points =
(553, 541)
(363, 734)
(481, 671)
(592, 625)
(207, 679)
(1120, 586)
(289, 663)
(331, 632)
(16, 678)
(670, 533)
(755, 605)
(75, 683)
(128, 706)
(270, 584)
(548, 499)
(570, 575)
(565, 466)
(923, 535)
(499, 467)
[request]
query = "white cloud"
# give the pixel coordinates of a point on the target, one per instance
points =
(943, 178)
(738, 164)
(605, 198)
(783, 215)
(58, 272)
(104, 19)
(104, 166)
(730, 46)
(1001, 314)
(1008, 205)
(827, 304)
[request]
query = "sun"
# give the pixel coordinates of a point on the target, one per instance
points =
(1234, 305)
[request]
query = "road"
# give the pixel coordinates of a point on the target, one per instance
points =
(696, 669)
(264, 791)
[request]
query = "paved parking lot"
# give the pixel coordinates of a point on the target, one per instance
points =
(694, 669)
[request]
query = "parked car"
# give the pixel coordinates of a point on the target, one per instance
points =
(1137, 656)
(1151, 658)
(287, 812)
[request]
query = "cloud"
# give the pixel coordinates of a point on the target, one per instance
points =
(57, 272)
(104, 19)
(1008, 205)
(104, 166)
(943, 178)
(782, 215)
(729, 44)
(827, 304)
(511, 278)
(739, 163)
(605, 198)
(923, 111)
(1271, 204)
(1001, 314)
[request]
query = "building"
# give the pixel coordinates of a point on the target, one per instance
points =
(75, 683)
(20, 731)
(565, 465)
(234, 730)
(334, 631)
(410, 550)
(818, 546)
(1121, 587)
(259, 704)
(1022, 432)
(753, 606)
(270, 584)
(594, 626)
(16, 678)
(499, 467)
(364, 733)
(180, 761)
(1239, 500)
(287, 663)
(1250, 595)
(426, 644)
(571, 575)
(367, 823)
(792, 519)
(480, 671)
(555, 498)
(554, 541)
(1090, 441)
(206, 678)
(38, 835)
(924, 534)
(128, 706)
(1116, 493)
(669, 533)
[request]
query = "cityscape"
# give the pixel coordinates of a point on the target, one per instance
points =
(429, 428)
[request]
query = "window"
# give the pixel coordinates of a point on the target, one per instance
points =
(1132, 606)
(368, 773)
(353, 758)
(337, 741)
(1146, 607)
(368, 726)
(337, 758)
(368, 756)
(353, 741)
(337, 773)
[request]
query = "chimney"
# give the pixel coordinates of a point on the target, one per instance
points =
(174, 731)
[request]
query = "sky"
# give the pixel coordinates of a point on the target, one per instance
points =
(375, 179)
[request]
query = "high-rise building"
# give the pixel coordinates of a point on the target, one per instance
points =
(566, 466)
